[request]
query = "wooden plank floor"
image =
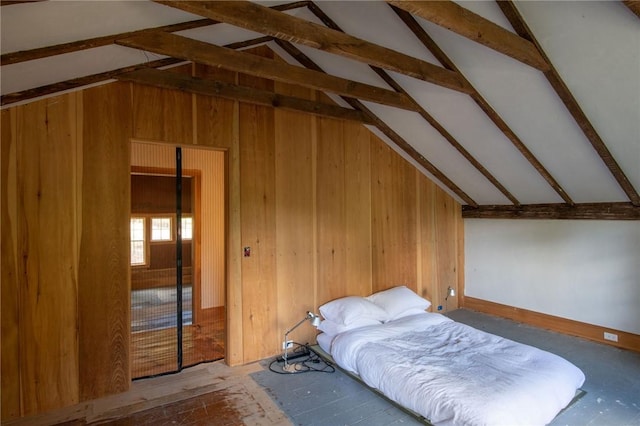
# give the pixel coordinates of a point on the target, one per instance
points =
(154, 352)
(207, 394)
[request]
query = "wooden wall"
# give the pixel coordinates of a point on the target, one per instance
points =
(327, 208)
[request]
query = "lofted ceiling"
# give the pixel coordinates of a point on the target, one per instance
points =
(516, 109)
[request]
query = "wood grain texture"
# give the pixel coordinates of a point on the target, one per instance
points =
(258, 227)
(331, 212)
(216, 56)
(47, 243)
(343, 210)
(10, 290)
(633, 5)
(290, 28)
(214, 116)
(295, 240)
(104, 279)
(456, 18)
(176, 82)
(580, 211)
(393, 219)
(428, 287)
(163, 114)
(357, 142)
(327, 208)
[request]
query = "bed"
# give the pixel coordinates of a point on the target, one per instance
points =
(445, 371)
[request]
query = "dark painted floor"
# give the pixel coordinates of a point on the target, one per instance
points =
(612, 384)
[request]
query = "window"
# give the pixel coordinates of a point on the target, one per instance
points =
(161, 229)
(187, 228)
(138, 252)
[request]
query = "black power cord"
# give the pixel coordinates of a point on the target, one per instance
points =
(305, 361)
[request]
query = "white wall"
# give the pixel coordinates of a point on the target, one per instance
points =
(587, 271)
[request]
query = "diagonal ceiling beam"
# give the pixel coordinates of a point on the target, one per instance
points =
(423, 113)
(456, 18)
(49, 89)
(209, 54)
(439, 54)
(384, 128)
(633, 5)
(176, 81)
(75, 46)
(521, 27)
(261, 19)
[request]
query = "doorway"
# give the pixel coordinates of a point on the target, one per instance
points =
(177, 258)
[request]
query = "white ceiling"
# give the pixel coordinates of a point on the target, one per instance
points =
(595, 46)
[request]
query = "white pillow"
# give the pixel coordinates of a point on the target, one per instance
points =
(350, 309)
(409, 312)
(332, 328)
(398, 300)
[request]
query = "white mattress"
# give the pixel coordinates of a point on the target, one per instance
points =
(453, 374)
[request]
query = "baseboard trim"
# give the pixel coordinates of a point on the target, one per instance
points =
(561, 325)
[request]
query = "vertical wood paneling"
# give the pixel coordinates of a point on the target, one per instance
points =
(163, 114)
(327, 209)
(258, 227)
(357, 164)
(447, 214)
(394, 227)
(104, 279)
(343, 210)
(441, 230)
(47, 272)
(214, 116)
(331, 211)
(295, 248)
(428, 286)
(9, 295)
(234, 312)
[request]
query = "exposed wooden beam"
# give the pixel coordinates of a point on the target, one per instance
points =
(49, 89)
(439, 54)
(462, 21)
(209, 54)
(258, 18)
(10, 2)
(384, 128)
(318, 12)
(633, 5)
(176, 81)
(58, 49)
(590, 211)
(521, 27)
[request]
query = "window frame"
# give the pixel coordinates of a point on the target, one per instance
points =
(145, 246)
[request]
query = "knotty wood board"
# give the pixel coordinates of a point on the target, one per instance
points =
(10, 288)
(104, 278)
(47, 243)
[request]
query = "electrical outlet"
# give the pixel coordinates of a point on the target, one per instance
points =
(610, 336)
(287, 345)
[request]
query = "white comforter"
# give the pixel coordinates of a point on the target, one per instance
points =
(453, 374)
